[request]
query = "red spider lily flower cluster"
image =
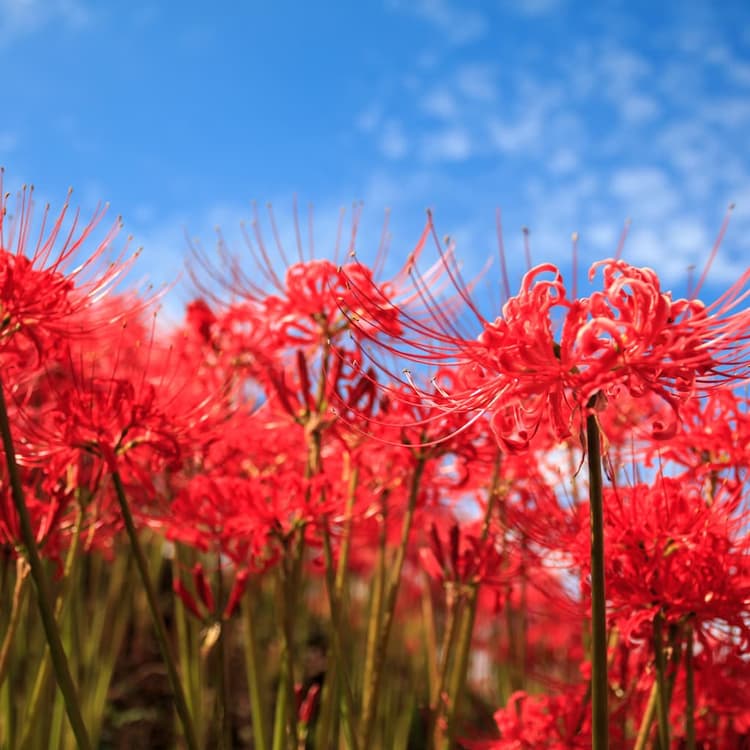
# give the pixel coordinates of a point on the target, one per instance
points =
(548, 358)
(435, 530)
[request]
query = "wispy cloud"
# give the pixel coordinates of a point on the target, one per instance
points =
(453, 144)
(597, 130)
(18, 17)
(535, 7)
(393, 142)
(458, 24)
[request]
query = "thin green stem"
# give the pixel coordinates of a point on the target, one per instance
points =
(376, 611)
(338, 641)
(38, 574)
(224, 727)
(279, 719)
(38, 692)
(187, 638)
(662, 702)
(22, 571)
(648, 718)
(161, 632)
(389, 607)
(599, 682)
(255, 684)
(437, 692)
(346, 533)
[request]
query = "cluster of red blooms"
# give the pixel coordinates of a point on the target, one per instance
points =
(268, 426)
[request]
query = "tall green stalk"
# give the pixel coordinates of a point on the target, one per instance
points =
(599, 682)
(38, 693)
(255, 683)
(22, 571)
(38, 574)
(662, 702)
(389, 606)
(161, 632)
(343, 670)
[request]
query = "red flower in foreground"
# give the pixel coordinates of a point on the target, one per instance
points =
(42, 295)
(631, 337)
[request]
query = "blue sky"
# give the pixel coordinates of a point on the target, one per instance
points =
(568, 116)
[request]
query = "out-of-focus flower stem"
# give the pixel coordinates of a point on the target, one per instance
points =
(285, 732)
(466, 616)
(662, 698)
(187, 638)
(43, 673)
(57, 652)
(437, 688)
(161, 633)
(650, 712)
(599, 682)
(254, 679)
(19, 589)
(223, 721)
(374, 675)
(342, 668)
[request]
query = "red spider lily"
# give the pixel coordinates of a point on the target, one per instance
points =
(534, 722)
(670, 551)
(204, 607)
(42, 295)
(630, 337)
(307, 303)
(714, 435)
(463, 558)
(49, 504)
(125, 396)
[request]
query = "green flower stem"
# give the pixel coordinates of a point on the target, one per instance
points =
(161, 632)
(338, 642)
(376, 611)
(31, 717)
(599, 682)
(224, 728)
(347, 530)
(22, 572)
(465, 617)
(662, 698)
(389, 607)
(430, 636)
(650, 713)
(287, 593)
(254, 681)
(187, 638)
(57, 652)
(648, 718)
(279, 720)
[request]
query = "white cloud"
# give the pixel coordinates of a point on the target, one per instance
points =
(440, 103)
(603, 236)
(477, 82)
(393, 142)
(453, 144)
(535, 7)
(637, 108)
(517, 136)
(646, 192)
(370, 118)
(26, 16)
(563, 161)
(459, 24)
